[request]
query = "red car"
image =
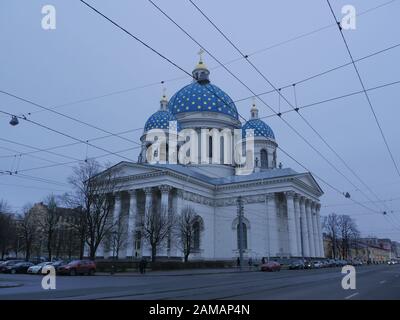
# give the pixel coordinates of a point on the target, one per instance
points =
(75, 267)
(271, 266)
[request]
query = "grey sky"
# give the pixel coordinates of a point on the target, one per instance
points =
(86, 56)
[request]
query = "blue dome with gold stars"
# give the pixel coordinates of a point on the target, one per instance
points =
(201, 97)
(160, 120)
(261, 129)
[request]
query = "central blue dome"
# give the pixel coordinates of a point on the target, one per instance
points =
(160, 120)
(261, 129)
(197, 97)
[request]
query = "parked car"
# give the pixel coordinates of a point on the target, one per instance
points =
(20, 267)
(331, 262)
(317, 264)
(5, 265)
(37, 260)
(297, 265)
(37, 269)
(59, 263)
(392, 262)
(308, 264)
(325, 264)
(75, 267)
(271, 266)
(356, 262)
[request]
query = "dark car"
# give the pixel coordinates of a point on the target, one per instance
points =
(308, 265)
(5, 265)
(77, 267)
(271, 266)
(20, 267)
(296, 265)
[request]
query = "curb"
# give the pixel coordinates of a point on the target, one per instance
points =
(157, 274)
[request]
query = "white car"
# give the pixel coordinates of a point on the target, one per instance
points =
(37, 269)
(318, 264)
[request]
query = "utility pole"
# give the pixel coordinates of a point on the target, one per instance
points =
(240, 217)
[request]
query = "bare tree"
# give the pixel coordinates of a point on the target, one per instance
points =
(48, 223)
(348, 231)
(118, 235)
(76, 226)
(6, 228)
(28, 229)
(188, 224)
(157, 225)
(331, 226)
(92, 192)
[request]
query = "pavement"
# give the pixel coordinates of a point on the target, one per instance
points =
(372, 282)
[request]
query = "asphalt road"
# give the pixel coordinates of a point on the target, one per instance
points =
(372, 282)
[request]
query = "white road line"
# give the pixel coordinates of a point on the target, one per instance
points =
(382, 282)
(351, 296)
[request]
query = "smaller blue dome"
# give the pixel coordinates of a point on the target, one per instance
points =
(160, 120)
(261, 129)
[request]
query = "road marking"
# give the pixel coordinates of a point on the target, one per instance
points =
(382, 282)
(352, 295)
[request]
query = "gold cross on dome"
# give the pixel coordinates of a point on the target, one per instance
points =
(200, 53)
(164, 91)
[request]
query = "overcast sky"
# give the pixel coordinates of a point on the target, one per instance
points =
(87, 57)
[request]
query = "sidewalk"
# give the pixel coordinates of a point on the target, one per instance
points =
(186, 272)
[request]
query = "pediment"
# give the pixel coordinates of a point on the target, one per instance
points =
(124, 168)
(309, 180)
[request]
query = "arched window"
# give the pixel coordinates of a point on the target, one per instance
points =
(264, 158)
(244, 241)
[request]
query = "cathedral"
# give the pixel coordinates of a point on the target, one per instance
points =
(281, 208)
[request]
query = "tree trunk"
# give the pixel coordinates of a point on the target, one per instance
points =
(153, 253)
(49, 248)
(186, 257)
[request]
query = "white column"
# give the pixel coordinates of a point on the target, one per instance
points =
(131, 223)
(315, 233)
(148, 203)
(304, 228)
(115, 221)
(147, 206)
(273, 246)
(165, 189)
(319, 229)
(310, 228)
(298, 225)
(291, 224)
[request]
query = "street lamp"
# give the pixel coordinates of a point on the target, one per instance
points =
(14, 121)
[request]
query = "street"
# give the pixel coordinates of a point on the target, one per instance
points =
(372, 282)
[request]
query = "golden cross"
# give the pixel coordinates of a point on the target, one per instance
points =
(164, 90)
